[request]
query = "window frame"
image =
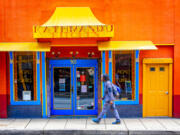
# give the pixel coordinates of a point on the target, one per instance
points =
(136, 79)
(12, 91)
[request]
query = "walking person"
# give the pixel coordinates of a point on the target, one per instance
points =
(109, 101)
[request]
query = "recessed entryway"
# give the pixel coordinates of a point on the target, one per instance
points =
(73, 87)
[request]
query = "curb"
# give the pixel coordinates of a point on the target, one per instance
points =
(86, 132)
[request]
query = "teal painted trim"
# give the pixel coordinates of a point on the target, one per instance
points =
(44, 104)
(110, 66)
(136, 101)
(12, 101)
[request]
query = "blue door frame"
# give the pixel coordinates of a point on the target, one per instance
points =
(73, 64)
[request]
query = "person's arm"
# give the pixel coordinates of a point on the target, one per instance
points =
(99, 100)
(110, 93)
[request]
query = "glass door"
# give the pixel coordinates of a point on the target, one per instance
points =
(86, 87)
(61, 87)
(73, 87)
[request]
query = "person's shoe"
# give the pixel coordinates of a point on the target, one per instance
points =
(117, 122)
(96, 120)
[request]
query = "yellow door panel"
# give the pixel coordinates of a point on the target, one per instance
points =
(156, 90)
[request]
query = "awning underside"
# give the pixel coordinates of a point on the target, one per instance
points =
(30, 46)
(126, 45)
(102, 46)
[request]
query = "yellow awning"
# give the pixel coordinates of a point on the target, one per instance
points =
(126, 45)
(24, 46)
(73, 22)
(72, 16)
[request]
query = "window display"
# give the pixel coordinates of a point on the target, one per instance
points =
(25, 76)
(62, 88)
(85, 88)
(123, 75)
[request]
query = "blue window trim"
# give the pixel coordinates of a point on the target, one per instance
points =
(12, 101)
(129, 102)
(103, 70)
(110, 66)
(44, 91)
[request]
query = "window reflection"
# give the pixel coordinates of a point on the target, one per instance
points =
(62, 88)
(25, 76)
(85, 88)
(124, 73)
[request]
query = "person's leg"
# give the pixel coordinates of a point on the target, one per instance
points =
(104, 110)
(100, 116)
(116, 114)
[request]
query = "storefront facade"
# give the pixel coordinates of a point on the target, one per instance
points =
(52, 63)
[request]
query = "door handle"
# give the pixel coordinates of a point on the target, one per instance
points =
(167, 92)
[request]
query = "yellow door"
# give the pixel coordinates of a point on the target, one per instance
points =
(156, 92)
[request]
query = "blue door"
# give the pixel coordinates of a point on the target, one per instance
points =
(73, 87)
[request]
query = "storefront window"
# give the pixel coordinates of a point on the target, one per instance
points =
(25, 76)
(123, 75)
(85, 88)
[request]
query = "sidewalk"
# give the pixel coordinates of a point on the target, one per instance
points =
(139, 126)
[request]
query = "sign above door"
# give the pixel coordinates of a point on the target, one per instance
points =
(73, 22)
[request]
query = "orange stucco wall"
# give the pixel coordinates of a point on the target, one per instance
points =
(177, 60)
(132, 19)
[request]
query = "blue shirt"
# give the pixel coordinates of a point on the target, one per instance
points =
(108, 92)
